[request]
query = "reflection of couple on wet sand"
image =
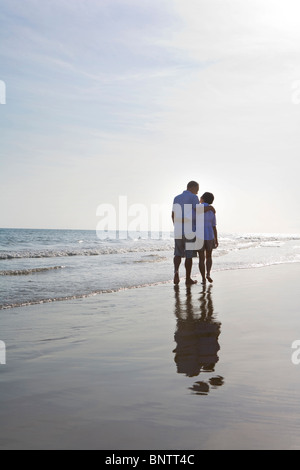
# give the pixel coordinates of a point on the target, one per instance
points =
(188, 202)
(196, 339)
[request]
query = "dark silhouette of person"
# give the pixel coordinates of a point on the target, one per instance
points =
(196, 337)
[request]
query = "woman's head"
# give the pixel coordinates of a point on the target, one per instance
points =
(208, 198)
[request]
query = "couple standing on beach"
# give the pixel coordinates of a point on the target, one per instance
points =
(187, 203)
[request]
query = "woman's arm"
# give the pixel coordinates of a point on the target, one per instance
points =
(216, 237)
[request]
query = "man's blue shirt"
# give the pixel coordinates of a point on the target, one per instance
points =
(188, 214)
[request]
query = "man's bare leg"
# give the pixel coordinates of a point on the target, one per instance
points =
(188, 268)
(177, 262)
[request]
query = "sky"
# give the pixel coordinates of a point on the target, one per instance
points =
(114, 99)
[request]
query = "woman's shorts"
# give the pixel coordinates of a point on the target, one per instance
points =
(208, 245)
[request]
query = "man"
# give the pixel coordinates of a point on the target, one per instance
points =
(187, 203)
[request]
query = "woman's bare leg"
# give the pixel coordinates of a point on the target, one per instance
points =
(202, 265)
(208, 265)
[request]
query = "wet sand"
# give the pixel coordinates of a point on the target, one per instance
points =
(157, 367)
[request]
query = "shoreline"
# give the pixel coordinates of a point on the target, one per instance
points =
(157, 367)
(195, 275)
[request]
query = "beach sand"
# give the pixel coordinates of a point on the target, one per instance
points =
(157, 367)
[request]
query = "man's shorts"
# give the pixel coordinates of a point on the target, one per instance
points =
(208, 245)
(180, 248)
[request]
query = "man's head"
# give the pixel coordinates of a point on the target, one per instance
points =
(193, 186)
(208, 198)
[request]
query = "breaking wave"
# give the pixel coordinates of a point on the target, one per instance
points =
(26, 272)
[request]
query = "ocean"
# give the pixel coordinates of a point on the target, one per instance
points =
(38, 266)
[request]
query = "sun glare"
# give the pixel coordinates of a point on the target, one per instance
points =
(282, 15)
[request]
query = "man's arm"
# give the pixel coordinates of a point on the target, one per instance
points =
(173, 216)
(209, 208)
